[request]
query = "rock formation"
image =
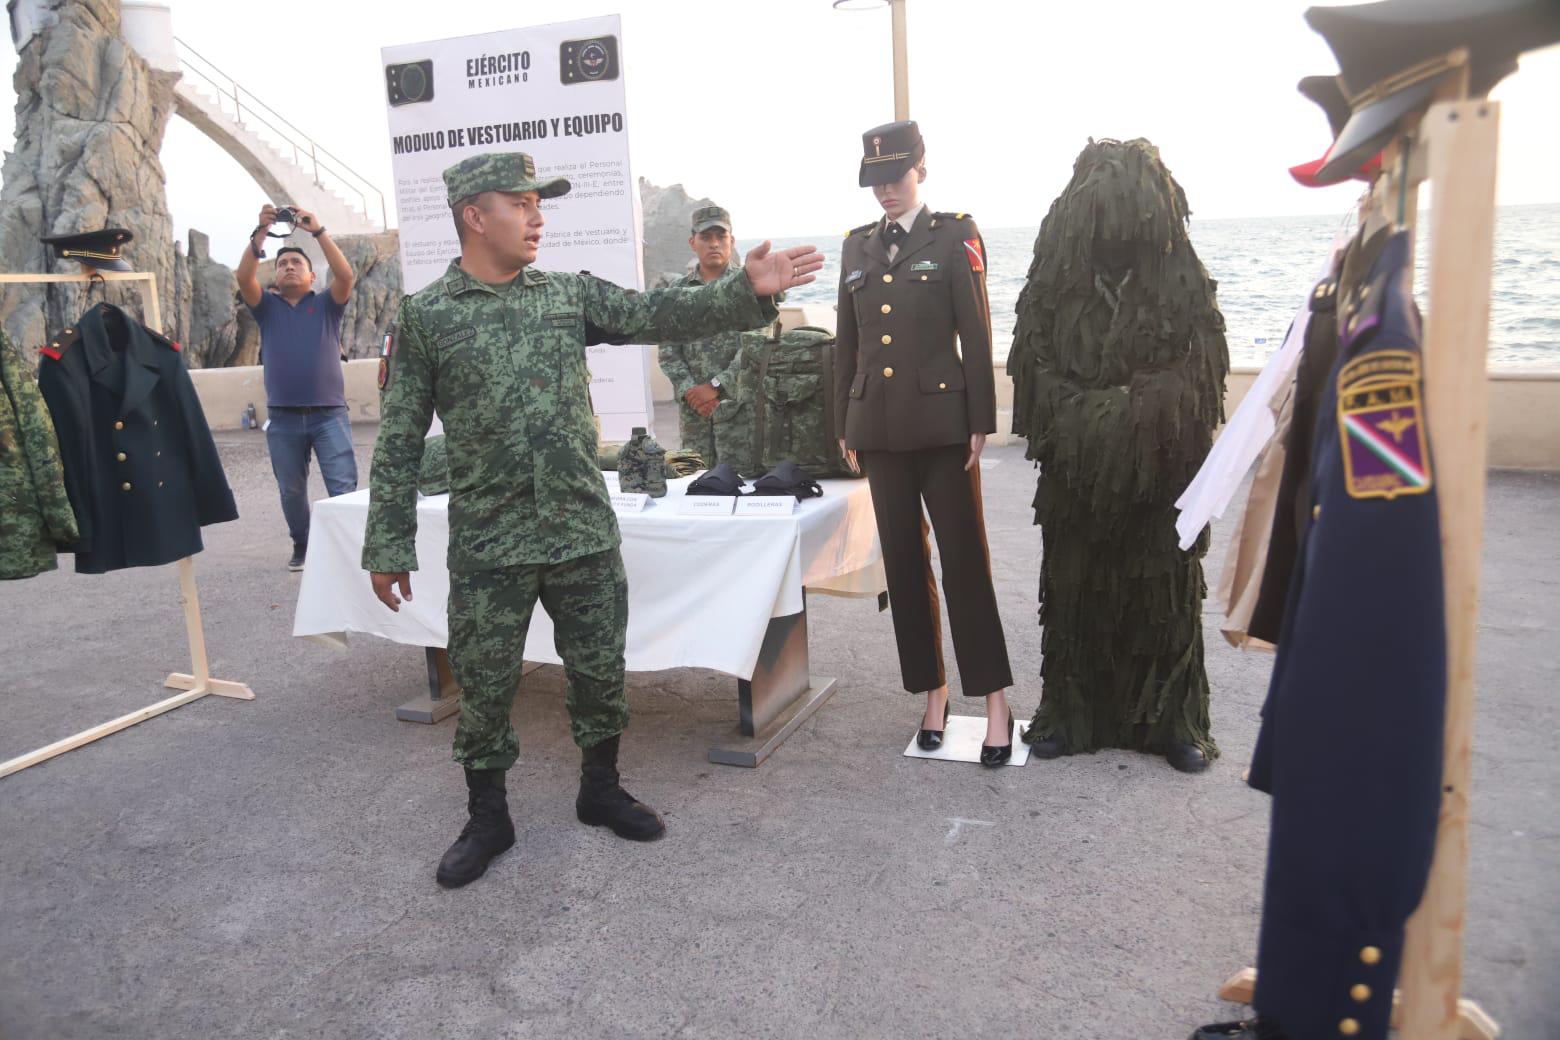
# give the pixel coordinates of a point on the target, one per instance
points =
(665, 238)
(90, 116)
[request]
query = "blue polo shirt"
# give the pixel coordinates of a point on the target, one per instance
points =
(300, 350)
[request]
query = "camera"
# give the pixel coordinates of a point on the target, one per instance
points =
(409, 82)
(586, 61)
(286, 215)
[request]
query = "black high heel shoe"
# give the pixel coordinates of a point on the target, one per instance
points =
(931, 739)
(992, 755)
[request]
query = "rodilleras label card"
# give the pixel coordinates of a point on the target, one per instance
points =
(766, 505)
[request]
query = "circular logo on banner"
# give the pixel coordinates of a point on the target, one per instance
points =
(593, 60)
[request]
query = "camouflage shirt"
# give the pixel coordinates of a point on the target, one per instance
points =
(35, 514)
(505, 368)
(690, 364)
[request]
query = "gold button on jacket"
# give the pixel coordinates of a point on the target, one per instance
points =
(933, 325)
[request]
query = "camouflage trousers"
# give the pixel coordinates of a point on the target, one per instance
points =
(726, 436)
(489, 614)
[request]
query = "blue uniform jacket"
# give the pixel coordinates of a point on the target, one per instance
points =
(1351, 738)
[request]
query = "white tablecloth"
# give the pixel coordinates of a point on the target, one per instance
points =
(701, 590)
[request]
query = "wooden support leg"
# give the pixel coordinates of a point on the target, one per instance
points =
(199, 680)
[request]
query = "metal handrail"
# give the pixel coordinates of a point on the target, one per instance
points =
(346, 174)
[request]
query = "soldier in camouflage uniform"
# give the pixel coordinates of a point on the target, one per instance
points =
(498, 348)
(35, 513)
(704, 372)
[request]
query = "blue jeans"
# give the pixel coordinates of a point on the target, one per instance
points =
(290, 437)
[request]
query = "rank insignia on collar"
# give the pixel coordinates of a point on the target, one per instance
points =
(1381, 426)
(975, 253)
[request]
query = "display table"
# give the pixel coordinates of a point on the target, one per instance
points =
(725, 593)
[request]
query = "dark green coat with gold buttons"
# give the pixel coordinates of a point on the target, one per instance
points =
(141, 468)
(914, 337)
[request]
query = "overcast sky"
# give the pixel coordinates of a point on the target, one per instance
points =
(761, 105)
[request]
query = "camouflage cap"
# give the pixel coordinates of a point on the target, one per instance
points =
(707, 217)
(498, 171)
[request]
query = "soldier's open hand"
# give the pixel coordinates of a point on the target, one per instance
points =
(384, 587)
(775, 272)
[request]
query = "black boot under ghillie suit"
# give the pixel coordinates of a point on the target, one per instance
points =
(1118, 365)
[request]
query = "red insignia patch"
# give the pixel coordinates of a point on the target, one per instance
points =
(976, 255)
(384, 371)
(51, 352)
(176, 347)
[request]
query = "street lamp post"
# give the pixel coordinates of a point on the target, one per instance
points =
(901, 51)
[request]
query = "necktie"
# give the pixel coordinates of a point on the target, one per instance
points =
(894, 232)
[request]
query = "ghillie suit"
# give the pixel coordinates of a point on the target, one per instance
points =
(1118, 365)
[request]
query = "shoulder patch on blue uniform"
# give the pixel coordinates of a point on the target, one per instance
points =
(1381, 426)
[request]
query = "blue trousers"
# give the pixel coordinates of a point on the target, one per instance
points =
(290, 438)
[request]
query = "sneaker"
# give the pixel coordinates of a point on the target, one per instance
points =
(296, 563)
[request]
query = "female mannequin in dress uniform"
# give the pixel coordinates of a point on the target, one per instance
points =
(916, 397)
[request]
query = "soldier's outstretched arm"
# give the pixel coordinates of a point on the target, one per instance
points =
(406, 412)
(682, 312)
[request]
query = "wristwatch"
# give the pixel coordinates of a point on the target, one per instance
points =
(715, 382)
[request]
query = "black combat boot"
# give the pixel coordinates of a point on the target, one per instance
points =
(488, 833)
(602, 803)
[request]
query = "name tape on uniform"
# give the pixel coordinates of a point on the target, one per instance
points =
(629, 502)
(705, 505)
(766, 505)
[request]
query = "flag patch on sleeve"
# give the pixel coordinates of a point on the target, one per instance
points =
(976, 255)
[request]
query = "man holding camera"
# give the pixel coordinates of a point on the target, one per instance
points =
(300, 351)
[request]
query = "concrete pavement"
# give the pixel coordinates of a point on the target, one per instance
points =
(265, 869)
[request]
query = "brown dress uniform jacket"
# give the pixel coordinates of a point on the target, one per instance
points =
(914, 337)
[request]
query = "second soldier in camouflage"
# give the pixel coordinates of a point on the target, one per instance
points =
(497, 347)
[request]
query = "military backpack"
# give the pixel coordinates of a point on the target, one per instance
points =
(787, 381)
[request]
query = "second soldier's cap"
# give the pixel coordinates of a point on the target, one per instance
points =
(97, 249)
(707, 217)
(889, 151)
(499, 171)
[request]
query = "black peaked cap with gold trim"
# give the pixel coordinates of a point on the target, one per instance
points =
(96, 249)
(889, 151)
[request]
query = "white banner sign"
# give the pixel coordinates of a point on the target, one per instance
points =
(556, 93)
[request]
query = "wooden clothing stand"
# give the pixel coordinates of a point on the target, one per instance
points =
(196, 684)
(1454, 148)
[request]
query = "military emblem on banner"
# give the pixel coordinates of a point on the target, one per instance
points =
(1381, 426)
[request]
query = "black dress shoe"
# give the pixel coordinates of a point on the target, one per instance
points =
(994, 756)
(1188, 758)
(931, 739)
(1250, 1029)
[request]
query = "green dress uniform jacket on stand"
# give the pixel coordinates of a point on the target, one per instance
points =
(505, 368)
(35, 513)
(693, 363)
